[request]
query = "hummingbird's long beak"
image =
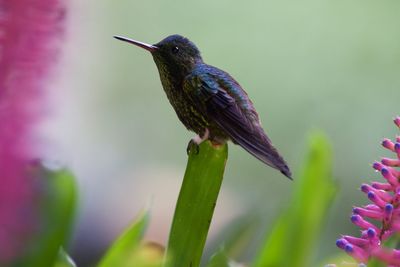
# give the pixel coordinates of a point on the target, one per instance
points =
(148, 47)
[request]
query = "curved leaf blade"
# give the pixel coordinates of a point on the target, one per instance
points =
(195, 206)
(121, 251)
(296, 232)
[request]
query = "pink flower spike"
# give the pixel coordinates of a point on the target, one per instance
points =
(397, 121)
(397, 149)
(365, 188)
(389, 176)
(356, 252)
(387, 143)
(341, 243)
(376, 199)
(396, 226)
(395, 172)
(384, 211)
(360, 222)
(382, 194)
(377, 166)
(361, 242)
(372, 237)
(381, 186)
(396, 198)
(388, 212)
(391, 162)
(372, 207)
(367, 213)
(371, 233)
(389, 257)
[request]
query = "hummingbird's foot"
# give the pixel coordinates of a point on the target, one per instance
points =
(192, 146)
(195, 142)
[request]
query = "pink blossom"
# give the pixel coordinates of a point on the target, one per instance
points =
(28, 32)
(381, 219)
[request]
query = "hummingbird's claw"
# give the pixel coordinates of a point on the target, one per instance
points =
(195, 142)
(192, 146)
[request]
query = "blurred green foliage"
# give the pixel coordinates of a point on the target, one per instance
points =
(64, 260)
(55, 207)
(298, 229)
(219, 259)
(293, 240)
(120, 253)
(129, 251)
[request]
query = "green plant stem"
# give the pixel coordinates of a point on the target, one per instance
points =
(195, 206)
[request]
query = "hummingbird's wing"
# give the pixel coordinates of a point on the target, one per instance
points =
(224, 102)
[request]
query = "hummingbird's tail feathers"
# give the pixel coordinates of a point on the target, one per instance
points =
(251, 137)
(245, 132)
(227, 105)
(263, 150)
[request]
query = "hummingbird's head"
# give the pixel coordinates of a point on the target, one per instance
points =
(175, 53)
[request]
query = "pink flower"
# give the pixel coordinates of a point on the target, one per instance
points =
(28, 31)
(385, 209)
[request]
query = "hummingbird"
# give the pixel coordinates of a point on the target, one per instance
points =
(208, 101)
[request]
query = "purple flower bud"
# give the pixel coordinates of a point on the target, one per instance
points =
(355, 218)
(341, 243)
(367, 213)
(377, 166)
(372, 207)
(389, 177)
(381, 193)
(397, 121)
(371, 233)
(388, 212)
(381, 186)
(389, 208)
(356, 240)
(376, 199)
(365, 188)
(359, 221)
(349, 248)
(391, 162)
(397, 147)
(387, 143)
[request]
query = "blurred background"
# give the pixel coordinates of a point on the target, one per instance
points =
(330, 65)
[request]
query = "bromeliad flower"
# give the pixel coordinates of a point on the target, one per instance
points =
(380, 219)
(29, 32)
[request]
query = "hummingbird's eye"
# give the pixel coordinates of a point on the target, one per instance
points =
(175, 50)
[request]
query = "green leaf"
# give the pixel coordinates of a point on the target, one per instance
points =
(294, 236)
(195, 206)
(64, 260)
(219, 259)
(56, 200)
(376, 263)
(122, 251)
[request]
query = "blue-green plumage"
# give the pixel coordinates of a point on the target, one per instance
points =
(208, 101)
